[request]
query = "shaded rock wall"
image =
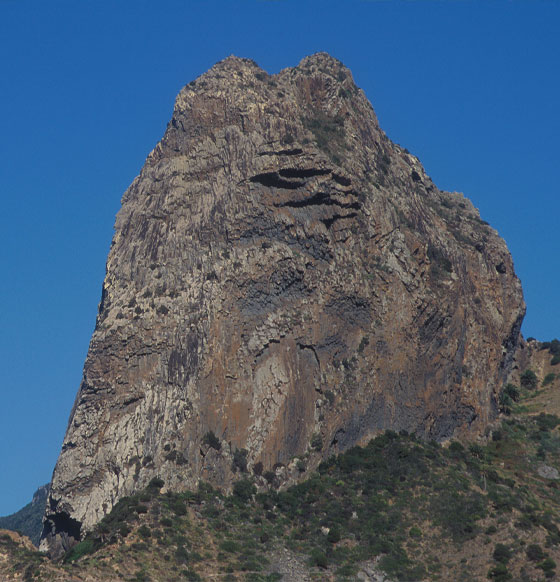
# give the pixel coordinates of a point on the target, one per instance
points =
(280, 269)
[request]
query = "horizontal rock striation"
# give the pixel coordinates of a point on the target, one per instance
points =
(283, 280)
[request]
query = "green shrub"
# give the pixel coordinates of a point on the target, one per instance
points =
(553, 347)
(499, 573)
(240, 460)
(212, 440)
(141, 576)
(319, 558)
(156, 484)
(505, 402)
(501, 554)
(529, 380)
(415, 532)
(329, 395)
(512, 391)
(144, 532)
(178, 507)
(547, 422)
(269, 476)
(181, 554)
(548, 565)
(124, 530)
(535, 553)
(456, 450)
(555, 360)
(87, 546)
(230, 546)
(549, 378)
(476, 451)
(244, 490)
(316, 442)
(440, 264)
(334, 535)
(363, 343)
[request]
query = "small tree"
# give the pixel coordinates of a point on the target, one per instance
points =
(269, 476)
(244, 490)
(240, 460)
(212, 440)
(334, 535)
(144, 532)
(529, 380)
(548, 379)
(512, 391)
(316, 441)
(535, 553)
(548, 565)
(505, 403)
(156, 484)
(501, 554)
(499, 573)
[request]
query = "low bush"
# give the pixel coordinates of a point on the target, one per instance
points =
(535, 553)
(547, 422)
(501, 554)
(548, 379)
(548, 565)
(505, 403)
(244, 490)
(182, 554)
(316, 442)
(319, 558)
(334, 535)
(156, 484)
(212, 440)
(178, 507)
(144, 532)
(512, 391)
(87, 546)
(553, 347)
(529, 380)
(239, 460)
(499, 573)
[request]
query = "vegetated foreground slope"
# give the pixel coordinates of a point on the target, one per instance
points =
(398, 508)
(283, 281)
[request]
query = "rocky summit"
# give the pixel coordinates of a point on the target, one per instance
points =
(284, 282)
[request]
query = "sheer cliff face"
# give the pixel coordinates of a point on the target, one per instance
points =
(280, 271)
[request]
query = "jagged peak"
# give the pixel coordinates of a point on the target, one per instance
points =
(232, 64)
(321, 57)
(233, 61)
(323, 62)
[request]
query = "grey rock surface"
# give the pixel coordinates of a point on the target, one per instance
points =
(280, 272)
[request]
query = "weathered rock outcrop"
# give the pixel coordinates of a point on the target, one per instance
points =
(281, 273)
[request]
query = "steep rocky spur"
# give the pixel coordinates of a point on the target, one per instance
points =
(284, 282)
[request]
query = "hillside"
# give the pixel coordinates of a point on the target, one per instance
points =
(283, 281)
(398, 508)
(28, 520)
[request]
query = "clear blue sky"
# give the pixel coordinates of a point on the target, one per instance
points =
(87, 87)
